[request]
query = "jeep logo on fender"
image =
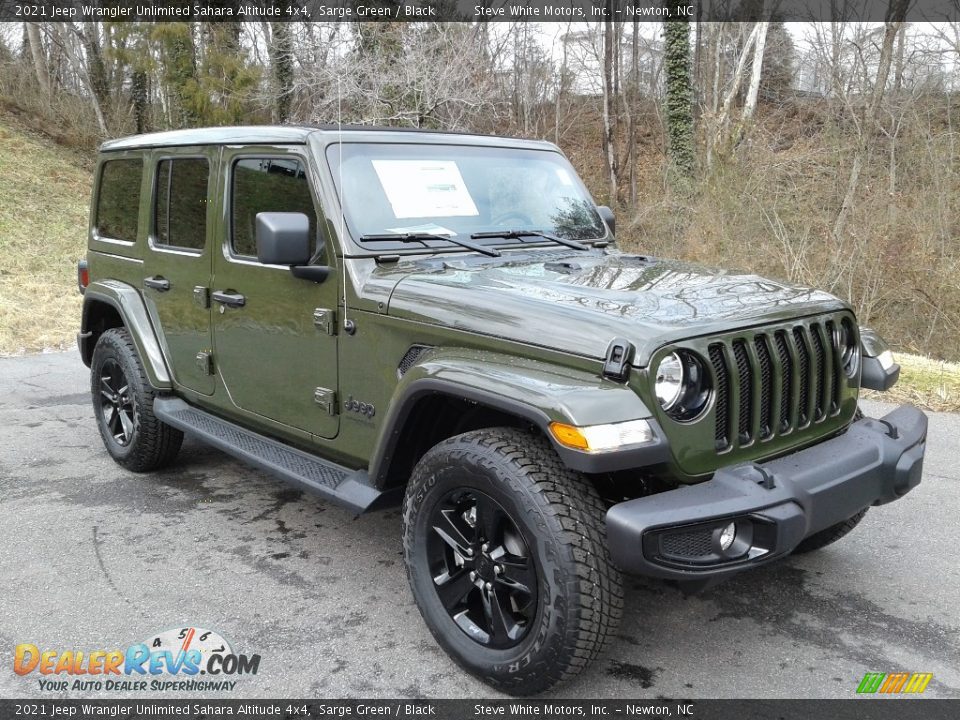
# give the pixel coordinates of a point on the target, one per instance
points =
(365, 409)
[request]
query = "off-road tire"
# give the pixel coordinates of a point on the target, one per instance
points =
(562, 518)
(829, 535)
(153, 444)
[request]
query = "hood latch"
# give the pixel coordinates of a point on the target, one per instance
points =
(616, 365)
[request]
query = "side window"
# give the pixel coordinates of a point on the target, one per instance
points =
(266, 185)
(118, 199)
(180, 205)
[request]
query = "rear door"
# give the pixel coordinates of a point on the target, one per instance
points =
(276, 353)
(177, 262)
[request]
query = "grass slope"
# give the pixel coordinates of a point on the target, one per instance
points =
(44, 195)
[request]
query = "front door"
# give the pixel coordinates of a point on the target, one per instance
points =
(176, 265)
(275, 350)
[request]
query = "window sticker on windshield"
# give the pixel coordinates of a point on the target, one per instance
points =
(425, 188)
(431, 228)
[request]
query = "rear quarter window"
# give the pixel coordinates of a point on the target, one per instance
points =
(180, 206)
(118, 199)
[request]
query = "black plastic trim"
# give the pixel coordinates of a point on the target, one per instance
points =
(349, 488)
(874, 377)
(874, 462)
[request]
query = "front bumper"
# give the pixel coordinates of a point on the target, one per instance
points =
(772, 506)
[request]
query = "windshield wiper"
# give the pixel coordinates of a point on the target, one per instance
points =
(420, 236)
(514, 234)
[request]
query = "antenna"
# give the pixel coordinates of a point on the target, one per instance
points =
(347, 324)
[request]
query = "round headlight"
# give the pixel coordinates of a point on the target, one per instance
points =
(682, 385)
(669, 384)
(849, 347)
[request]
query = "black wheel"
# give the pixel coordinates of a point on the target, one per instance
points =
(507, 559)
(123, 405)
(829, 535)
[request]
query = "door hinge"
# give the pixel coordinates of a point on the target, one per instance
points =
(205, 362)
(325, 320)
(201, 297)
(327, 399)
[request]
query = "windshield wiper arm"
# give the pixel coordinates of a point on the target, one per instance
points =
(420, 236)
(512, 234)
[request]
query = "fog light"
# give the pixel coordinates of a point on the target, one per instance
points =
(727, 536)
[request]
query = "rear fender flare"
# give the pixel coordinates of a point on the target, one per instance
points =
(128, 303)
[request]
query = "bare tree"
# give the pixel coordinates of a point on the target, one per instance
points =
(39, 57)
(609, 103)
(896, 15)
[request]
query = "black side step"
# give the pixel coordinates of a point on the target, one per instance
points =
(350, 488)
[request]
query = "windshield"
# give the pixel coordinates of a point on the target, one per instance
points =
(459, 190)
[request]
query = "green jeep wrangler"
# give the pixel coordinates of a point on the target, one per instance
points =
(381, 316)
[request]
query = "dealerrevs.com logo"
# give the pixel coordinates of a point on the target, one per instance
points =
(181, 659)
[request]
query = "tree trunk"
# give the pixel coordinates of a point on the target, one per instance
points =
(609, 121)
(72, 39)
(139, 90)
(896, 14)
(281, 53)
(753, 89)
(39, 57)
(722, 121)
(632, 109)
(679, 99)
(96, 68)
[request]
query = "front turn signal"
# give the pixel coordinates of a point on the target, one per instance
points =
(602, 438)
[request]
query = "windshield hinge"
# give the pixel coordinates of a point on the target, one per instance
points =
(325, 320)
(616, 365)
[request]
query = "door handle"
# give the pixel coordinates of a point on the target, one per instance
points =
(230, 299)
(157, 282)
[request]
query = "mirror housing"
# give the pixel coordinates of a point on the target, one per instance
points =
(606, 214)
(283, 238)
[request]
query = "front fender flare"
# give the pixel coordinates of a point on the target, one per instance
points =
(128, 303)
(535, 391)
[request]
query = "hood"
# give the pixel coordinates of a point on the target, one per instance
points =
(578, 302)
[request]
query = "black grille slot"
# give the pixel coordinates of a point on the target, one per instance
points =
(723, 395)
(786, 363)
(744, 376)
(803, 356)
(766, 387)
(692, 545)
(837, 367)
(823, 398)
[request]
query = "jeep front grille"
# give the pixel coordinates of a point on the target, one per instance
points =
(775, 382)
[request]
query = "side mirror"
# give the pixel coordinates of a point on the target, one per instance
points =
(606, 214)
(283, 238)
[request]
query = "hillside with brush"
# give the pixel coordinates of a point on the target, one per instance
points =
(44, 199)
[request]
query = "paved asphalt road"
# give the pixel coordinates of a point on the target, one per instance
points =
(97, 557)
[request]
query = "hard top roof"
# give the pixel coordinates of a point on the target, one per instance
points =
(298, 134)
